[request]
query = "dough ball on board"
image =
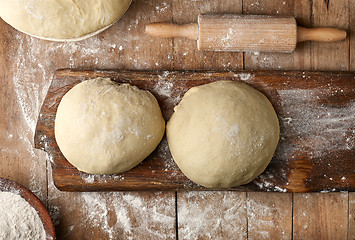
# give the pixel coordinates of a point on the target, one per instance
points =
(102, 127)
(62, 19)
(223, 134)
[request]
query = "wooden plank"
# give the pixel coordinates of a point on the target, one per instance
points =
(217, 223)
(211, 215)
(351, 35)
(269, 215)
(325, 56)
(79, 55)
(186, 55)
(112, 215)
(303, 150)
(126, 46)
(320, 216)
(330, 56)
(20, 96)
(351, 227)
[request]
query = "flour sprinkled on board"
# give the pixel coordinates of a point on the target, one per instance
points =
(267, 183)
(243, 76)
(91, 178)
(163, 7)
(196, 214)
(169, 164)
(261, 218)
(100, 208)
(165, 87)
(116, 213)
(321, 130)
(27, 76)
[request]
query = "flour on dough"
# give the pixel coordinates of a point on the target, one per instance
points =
(223, 134)
(62, 19)
(103, 127)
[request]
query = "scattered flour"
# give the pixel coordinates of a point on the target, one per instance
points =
(114, 211)
(31, 81)
(243, 76)
(165, 87)
(322, 130)
(265, 218)
(18, 219)
(200, 218)
(33, 63)
(163, 7)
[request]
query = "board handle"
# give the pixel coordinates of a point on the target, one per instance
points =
(170, 30)
(320, 34)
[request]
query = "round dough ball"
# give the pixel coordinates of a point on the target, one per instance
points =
(223, 134)
(104, 128)
(62, 20)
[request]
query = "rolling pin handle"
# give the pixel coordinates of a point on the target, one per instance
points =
(170, 30)
(320, 34)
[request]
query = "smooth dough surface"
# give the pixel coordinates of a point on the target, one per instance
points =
(62, 19)
(223, 134)
(104, 128)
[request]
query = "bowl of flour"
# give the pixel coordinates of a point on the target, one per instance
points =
(22, 214)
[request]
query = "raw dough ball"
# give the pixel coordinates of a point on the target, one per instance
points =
(223, 134)
(104, 128)
(62, 19)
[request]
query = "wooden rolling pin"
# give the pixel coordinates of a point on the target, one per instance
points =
(239, 33)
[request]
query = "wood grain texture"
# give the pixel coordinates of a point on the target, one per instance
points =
(320, 216)
(212, 215)
(231, 32)
(129, 215)
(275, 61)
(19, 161)
(330, 56)
(269, 215)
(351, 34)
(114, 215)
(302, 58)
(296, 166)
(325, 56)
(124, 46)
(186, 55)
(351, 226)
(260, 224)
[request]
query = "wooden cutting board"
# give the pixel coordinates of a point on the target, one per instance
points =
(316, 151)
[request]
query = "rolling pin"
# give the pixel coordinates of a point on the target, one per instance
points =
(238, 33)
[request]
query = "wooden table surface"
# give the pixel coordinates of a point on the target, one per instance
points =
(27, 65)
